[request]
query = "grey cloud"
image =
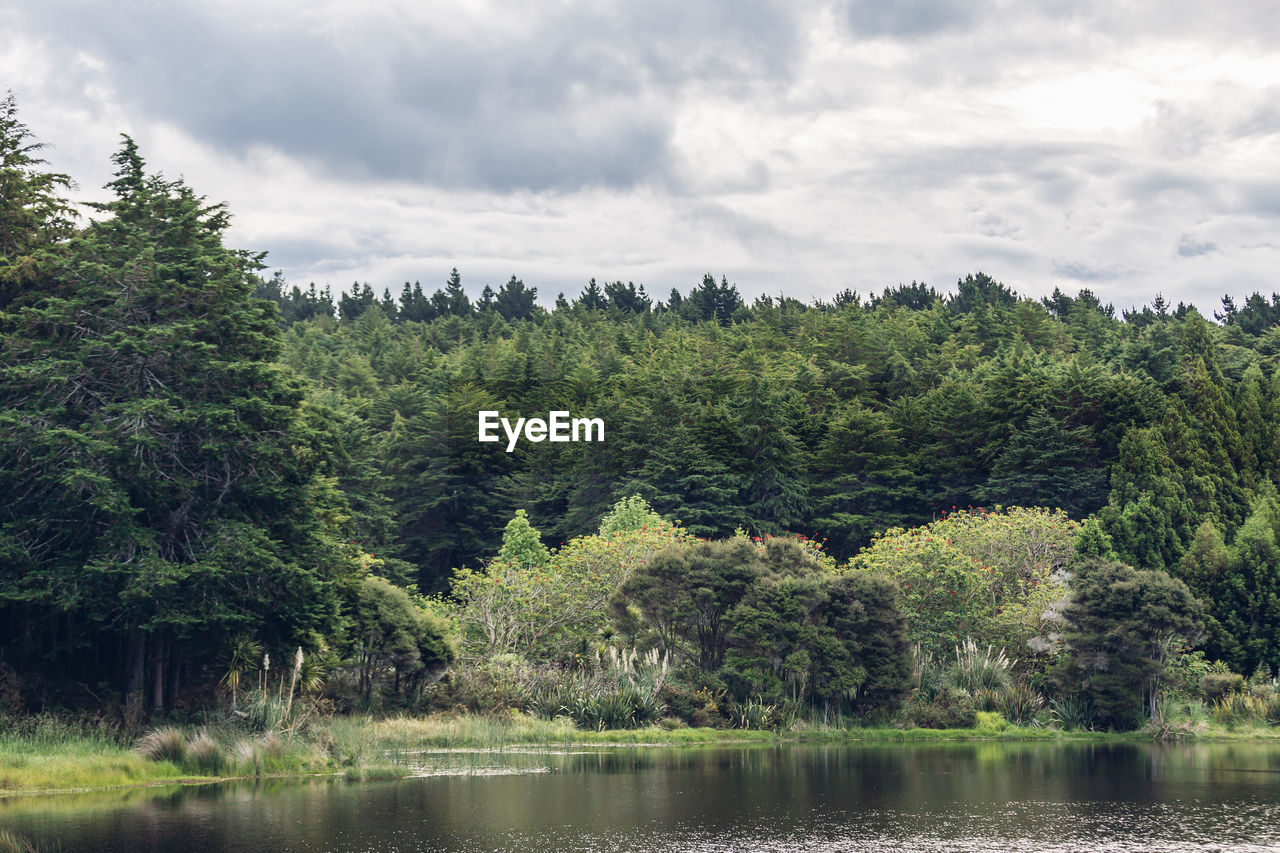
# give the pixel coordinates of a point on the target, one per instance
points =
(747, 231)
(1263, 117)
(909, 17)
(579, 98)
(1054, 171)
(1146, 184)
(1081, 271)
(1189, 248)
(1262, 198)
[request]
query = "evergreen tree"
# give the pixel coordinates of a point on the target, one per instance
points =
(156, 497)
(515, 301)
(626, 298)
(1243, 597)
(773, 493)
(862, 480)
(1124, 625)
(592, 298)
(33, 214)
(714, 301)
(1049, 464)
(449, 490)
(452, 300)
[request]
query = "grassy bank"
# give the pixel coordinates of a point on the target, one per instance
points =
(46, 755)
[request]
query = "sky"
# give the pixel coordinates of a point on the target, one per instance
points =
(796, 148)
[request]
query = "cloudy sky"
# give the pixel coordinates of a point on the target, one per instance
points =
(795, 147)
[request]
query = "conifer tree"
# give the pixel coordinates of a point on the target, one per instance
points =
(148, 447)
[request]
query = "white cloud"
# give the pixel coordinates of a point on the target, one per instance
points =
(797, 148)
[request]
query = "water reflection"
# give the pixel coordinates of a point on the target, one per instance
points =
(967, 796)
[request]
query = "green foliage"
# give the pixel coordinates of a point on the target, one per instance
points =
(1072, 712)
(1215, 685)
(159, 496)
(521, 545)
(623, 692)
(1124, 625)
(1018, 704)
(976, 669)
(629, 515)
(183, 464)
(1240, 585)
(980, 576)
(33, 214)
(551, 609)
(949, 708)
(396, 644)
(685, 594)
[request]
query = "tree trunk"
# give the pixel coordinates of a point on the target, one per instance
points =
(175, 669)
(135, 663)
(157, 682)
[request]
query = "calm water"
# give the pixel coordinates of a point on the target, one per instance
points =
(972, 797)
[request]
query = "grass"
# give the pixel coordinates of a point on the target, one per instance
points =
(45, 755)
(356, 736)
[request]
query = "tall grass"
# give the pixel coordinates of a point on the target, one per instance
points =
(1243, 708)
(976, 669)
(621, 692)
(48, 753)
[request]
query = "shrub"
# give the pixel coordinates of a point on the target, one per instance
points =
(755, 714)
(1216, 685)
(1072, 712)
(1240, 707)
(990, 722)
(697, 698)
(950, 708)
(498, 683)
(1019, 704)
(625, 691)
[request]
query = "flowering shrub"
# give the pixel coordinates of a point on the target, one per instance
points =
(975, 575)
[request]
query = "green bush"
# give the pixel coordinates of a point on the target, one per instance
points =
(1216, 685)
(1019, 704)
(755, 714)
(498, 683)
(950, 708)
(1072, 712)
(1241, 707)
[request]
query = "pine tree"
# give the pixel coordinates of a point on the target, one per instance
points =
(155, 495)
(592, 298)
(1048, 464)
(452, 301)
(33, 214)
(515, 301)
(1244, 597)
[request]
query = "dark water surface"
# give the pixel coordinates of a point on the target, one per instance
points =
(968, 796)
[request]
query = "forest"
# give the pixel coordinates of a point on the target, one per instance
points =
(913, 505)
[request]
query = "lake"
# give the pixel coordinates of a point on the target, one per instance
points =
(988, 796)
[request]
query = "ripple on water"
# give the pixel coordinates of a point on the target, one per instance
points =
(1172, 827)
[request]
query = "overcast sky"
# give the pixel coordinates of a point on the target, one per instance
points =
(794, 147)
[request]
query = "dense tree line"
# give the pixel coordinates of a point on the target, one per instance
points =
(190, 450)
(834, 420)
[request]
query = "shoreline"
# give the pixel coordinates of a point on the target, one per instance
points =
(366, 749)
